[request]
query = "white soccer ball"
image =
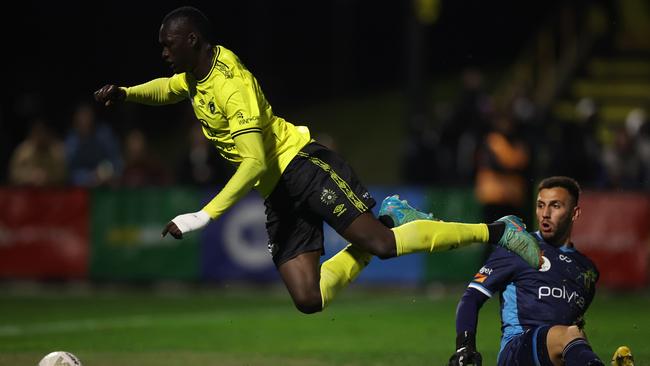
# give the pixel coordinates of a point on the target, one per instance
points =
(60, 358)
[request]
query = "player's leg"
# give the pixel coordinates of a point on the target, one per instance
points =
(507, 232)
(567, 345)
(338, 197)
(527, 349)
(319, 184)
(296, 244)
(418, 236)
(435, 236)
(301, 277)
(312, 286)
(339, 271)
(295, 213)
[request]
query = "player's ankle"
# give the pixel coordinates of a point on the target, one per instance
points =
(495, 231)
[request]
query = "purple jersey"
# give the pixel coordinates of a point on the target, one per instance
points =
(558, 293)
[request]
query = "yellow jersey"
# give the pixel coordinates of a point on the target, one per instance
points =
(229, 103)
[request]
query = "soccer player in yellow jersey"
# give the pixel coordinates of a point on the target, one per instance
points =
(303, 182)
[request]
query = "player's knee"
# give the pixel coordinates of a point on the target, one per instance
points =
(380, 247)
(385, 251)
(375, 238)
(574, 332)
(308, 303)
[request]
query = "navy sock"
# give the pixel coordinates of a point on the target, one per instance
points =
(496, 230)
(579, 353)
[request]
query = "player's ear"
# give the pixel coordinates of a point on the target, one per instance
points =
(576, 213)
(192, 39)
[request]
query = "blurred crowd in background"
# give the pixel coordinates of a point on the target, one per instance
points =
(472, 141)
(503, 150)
(94, 153)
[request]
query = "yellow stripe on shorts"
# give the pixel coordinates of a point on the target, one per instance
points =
(342, 184)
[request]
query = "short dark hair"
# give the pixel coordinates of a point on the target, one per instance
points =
(194, 16)
(570, 184)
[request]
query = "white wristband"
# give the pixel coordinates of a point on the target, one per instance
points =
(191, 221)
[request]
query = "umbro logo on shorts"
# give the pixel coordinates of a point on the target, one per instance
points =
(339, 210)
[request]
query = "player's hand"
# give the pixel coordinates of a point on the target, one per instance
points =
(185, 223)
(173, 230)
(109, 95)
(466, 356)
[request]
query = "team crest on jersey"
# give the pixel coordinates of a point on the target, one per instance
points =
(213, 109)
(546, 265)
(328, 196)
(224, 69)
(589, 278)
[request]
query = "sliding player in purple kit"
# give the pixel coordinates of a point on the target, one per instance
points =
(542, 309)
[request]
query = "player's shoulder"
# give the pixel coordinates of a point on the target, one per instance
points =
(227, 74)
(227, 63)
(584, 260)
(224, 52)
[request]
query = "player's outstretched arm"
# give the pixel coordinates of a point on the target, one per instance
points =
(251, 148)
(110, 94)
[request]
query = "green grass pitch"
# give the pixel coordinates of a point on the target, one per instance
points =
(261, 327)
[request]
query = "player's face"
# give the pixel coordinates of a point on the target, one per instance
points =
(556, 212)
(177, 49)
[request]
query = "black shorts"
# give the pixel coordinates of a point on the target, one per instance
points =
(528, 349)
(317, 185)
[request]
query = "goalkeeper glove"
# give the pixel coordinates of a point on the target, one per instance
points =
(466, 353)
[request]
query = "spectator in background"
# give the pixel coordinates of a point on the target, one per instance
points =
(141, 168)
(579, 151)
(469, 121)
(503, 161)
(92, 151)
(638, 126)
(200, 164)
(420, 146)
(622, 164)
(39, 160)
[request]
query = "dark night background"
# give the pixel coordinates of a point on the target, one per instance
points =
(301, 51)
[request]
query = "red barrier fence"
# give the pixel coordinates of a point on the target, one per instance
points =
(43, 233)
(614, 231)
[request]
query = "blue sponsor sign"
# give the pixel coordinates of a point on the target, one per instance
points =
(234, 247)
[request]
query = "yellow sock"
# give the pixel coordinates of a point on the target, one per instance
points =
(338, 271)
(436, 236)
